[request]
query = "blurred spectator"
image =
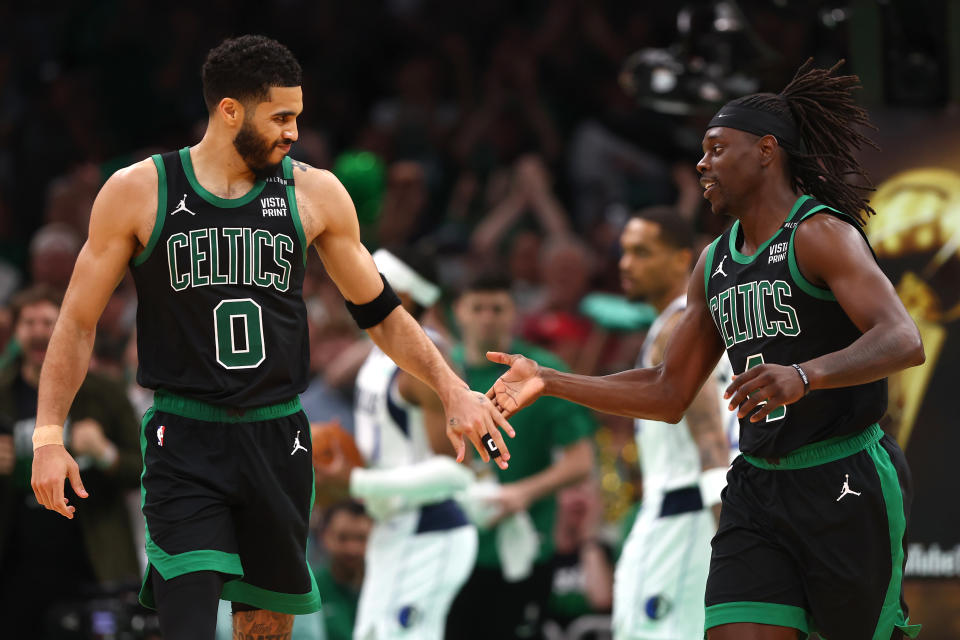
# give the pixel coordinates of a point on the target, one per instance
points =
(582, 592)
(346, 527)
(552, 449)
(531, 193)
(45, 559)
(53, 252)
(405, 204)
(336, 347)
(555, 321)
(70, 197)
(415, 117)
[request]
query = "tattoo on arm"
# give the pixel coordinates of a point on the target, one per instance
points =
(261, 624)
(705, 421)
(297, 164)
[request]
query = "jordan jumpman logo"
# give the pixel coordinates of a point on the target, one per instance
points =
(846, 488)
(183, 207)
(719, 270)
(296, 444)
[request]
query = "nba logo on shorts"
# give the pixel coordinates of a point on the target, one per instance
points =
(160, 435)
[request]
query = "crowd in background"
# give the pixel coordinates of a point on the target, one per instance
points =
(492, 133)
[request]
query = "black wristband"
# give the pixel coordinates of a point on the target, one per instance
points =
(372, 313)
(491, 446)
(803, 376)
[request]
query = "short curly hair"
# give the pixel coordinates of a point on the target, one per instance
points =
(245, 68)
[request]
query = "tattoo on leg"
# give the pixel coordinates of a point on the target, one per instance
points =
(262, 625)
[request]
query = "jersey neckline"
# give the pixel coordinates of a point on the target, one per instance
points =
(735, 231)
(217, 201)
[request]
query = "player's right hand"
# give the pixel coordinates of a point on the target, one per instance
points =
(51, 466)
(518, 387)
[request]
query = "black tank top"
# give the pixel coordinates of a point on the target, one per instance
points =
(221, 316)
(766, 311)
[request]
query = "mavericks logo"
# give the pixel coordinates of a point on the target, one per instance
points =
(657, 607)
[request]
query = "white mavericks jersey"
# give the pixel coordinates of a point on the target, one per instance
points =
(388, 429)
(661, 574)
(417, 558)
(668, 455)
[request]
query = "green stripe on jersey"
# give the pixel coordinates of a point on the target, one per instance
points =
(780, 615)
(161, 211)
(891, 615)
(294, 210)
(822, 452)
(217, 201)
(197, 410)
(735, 230)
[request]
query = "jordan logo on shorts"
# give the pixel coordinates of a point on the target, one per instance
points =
(297, 445)
(160, 431)
(182, 207)
(846, 488)
(719, 270)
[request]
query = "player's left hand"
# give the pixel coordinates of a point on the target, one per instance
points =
(772, 384)
(472, 415)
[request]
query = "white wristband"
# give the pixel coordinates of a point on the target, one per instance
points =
(712, 481)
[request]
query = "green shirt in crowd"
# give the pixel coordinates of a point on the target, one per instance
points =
(339, 605)
(546, 425)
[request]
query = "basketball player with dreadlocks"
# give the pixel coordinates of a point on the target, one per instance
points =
(812, 528)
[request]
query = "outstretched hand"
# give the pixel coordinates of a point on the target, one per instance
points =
(470, 414)
(518, 387)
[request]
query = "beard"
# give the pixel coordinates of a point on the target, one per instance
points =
(255, 151)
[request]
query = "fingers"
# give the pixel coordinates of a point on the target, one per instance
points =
(502, 423)
(59, 503)
(765, 410)
(73, 472)
(744, 390)
(498, 440)
(751, 403)
(741, 379)
(458, 445)
(474, 437)
(500, 358)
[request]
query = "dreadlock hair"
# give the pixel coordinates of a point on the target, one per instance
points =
(822, 108)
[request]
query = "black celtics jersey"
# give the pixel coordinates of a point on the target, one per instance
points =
(221, 316)
(766, 311)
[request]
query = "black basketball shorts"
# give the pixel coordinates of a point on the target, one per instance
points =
(815, 541)
(230, 491)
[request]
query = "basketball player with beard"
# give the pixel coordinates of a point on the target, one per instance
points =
(217, 237)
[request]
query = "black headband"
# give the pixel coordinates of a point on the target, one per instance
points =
(757, 122)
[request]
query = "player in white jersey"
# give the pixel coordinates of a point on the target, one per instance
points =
(661, 574)
(422, 548)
